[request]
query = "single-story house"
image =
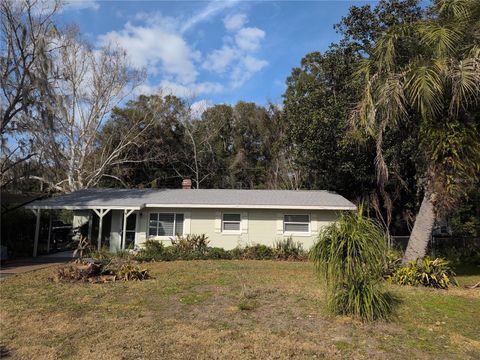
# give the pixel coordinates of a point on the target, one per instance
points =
(125, 218)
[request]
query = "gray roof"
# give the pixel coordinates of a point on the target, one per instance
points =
(203, 198)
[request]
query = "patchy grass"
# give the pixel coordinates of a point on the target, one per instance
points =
(195, 309)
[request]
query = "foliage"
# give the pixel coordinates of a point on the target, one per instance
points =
(151, 250)
(256, 252)
(287, 249)
(427, 272)
(350, 258)
(465, 216)
(129, 272)
(216, 253)
(191, 243)
(393, 260)
(432, 86)
(317, 104)
(362, 299)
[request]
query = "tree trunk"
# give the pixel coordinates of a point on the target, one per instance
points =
(422, 231)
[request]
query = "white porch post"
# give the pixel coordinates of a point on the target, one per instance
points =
(49, 231)
(90, 226)
(126, 213)
(101, 213)
(37, 231)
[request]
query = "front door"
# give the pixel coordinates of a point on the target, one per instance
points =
(131, 229)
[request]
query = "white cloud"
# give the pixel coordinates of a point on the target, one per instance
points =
(212, 9)
(236, 55)
(81, 5)
(157, 49)
(191, 90)
(219, 60)
(235, 22)
(253, 64)
(245, 70)
(249, 38)
(159, 44)
(199, 107)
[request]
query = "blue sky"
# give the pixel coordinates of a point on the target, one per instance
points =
(212, 51)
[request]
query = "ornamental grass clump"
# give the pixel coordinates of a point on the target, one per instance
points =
(350, 258)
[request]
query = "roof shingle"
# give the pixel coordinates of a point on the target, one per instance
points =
(202, 198)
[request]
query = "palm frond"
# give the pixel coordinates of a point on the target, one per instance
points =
(443, 39)
(424, 86)
(465, 79)
(458, 9)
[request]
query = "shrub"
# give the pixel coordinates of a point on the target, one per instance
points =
(393, 260)
(287, 249)
(191, 242)
(350, 257)
(218, 253)
(152, 250)
(257, 252)
(362, 299)
(426, 272)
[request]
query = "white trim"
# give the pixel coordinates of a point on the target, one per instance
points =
(297, 233)
(279, 207)
(164, 237)
(194, 206)
(232, 232)
(84, 207)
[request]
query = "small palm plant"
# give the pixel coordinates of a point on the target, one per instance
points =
(350, 258)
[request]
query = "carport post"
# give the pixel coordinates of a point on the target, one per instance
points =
(101, 213)
(49, 231)
(37, 232)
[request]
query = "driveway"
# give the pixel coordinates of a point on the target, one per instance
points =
(20, 266)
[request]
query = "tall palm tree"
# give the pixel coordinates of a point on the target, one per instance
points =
(437, 86)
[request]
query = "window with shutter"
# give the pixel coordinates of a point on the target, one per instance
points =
(231, 222)
(296, 223)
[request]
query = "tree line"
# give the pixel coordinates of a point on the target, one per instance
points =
(388, 117)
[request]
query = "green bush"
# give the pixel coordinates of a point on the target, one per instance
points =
(191, 243)
(393, 260)
(151, 250)
(427, 272)
(362, 299)
(257, 252)
(218, 253)
(350, 258)
(287, 249)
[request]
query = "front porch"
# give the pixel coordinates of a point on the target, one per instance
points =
(111, 227)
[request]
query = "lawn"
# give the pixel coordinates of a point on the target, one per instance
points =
(226, 309)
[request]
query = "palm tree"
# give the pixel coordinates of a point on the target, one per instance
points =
(437, 86)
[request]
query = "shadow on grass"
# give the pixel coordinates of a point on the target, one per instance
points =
(4, 352)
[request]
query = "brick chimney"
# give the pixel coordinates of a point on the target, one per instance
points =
(186, 184)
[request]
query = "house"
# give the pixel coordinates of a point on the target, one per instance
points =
(126, 218)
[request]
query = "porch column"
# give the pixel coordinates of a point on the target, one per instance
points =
(126, 213)
(49, 231)
(101, 213)
(37, 231)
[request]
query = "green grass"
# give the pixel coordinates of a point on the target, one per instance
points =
(203, 309)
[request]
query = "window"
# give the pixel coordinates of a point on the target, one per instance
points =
(296, 223)
(165, 224)
(231, 222)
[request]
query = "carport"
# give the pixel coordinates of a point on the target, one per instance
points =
(99, 203)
